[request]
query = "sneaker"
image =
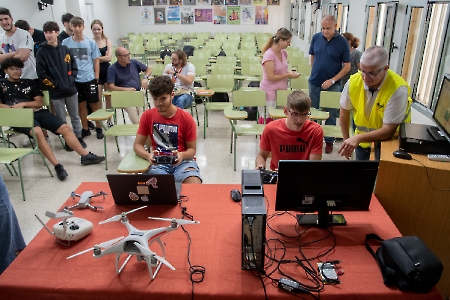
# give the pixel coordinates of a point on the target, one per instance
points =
(91, 125)
(83, 144)
(27, 143)
(91, 158)
(99, 133)
(67, 148)
(110, 124)
(85, 133)
(328, 147)
(61, 172)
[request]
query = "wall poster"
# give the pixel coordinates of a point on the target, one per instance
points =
(233, 15)
(220, 14)
(187, 15)
(160, 15)
(173, 15)
(261, 15)
(147, 16)
(248, 15)
(203, 15)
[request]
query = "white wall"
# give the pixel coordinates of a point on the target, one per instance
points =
(28, 10)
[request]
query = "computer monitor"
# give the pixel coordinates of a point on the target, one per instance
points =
(324, 186)
(441, 114)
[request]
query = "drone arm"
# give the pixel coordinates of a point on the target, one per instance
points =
(158, 240)
(71, 207)
(94, 207)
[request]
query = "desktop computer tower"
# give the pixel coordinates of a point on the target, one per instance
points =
(254, 215)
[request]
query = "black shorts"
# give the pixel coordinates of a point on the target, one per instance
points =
(44, 119)
(103, 73)
(87, 91)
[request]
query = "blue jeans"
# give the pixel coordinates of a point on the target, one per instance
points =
(182, 101)
(11, 239)
(314, 94)
(181, 171)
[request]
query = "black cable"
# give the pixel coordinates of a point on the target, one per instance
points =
(196, 272)
(428, 177)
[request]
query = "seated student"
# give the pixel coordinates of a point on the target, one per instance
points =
(295, 137)
(177, 126)
(11, 238)
(24, 93)
(123, 75)
(182, 73)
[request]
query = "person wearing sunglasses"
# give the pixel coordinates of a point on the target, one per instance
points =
(294, 137)
(380, 101)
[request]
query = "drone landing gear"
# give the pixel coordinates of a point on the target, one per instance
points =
(153, 262)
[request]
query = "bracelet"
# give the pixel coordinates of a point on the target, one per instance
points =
(332, 81)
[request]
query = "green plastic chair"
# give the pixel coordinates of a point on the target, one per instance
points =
(229, 59)
(18, 118)
(244, 99)
(158, 69)
(253, 72)
(123, 99)
(300, 83)
(218, 84)
(222, 69)
(331, 100)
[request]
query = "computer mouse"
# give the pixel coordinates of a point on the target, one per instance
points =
(235, 195)
(402, 154)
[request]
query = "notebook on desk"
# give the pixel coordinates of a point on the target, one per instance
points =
(144, 189)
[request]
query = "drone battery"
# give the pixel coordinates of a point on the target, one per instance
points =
(253, 220)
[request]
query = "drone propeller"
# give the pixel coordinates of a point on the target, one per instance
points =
(178, 221)
(58, 215)
(102, 245)
(101, 193)
(118, 217)
(148, 252)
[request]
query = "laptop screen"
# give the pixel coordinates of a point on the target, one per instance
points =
(144, 189)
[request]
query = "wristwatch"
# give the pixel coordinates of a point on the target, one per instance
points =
(145, 77)
(332, 81)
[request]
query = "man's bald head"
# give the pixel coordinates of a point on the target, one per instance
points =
(375, 56)
(121, 51)
(330, 18)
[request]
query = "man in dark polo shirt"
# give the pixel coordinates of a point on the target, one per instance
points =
(330, 61)
(123, 75)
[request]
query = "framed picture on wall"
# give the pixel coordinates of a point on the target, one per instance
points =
(203, 2)
(160, 15)
(189, 2)
(148, 2)
(273, 2)
(231, 2)
(220, 15)
(134, 2)
(259, 2)
(245, 2)
(161, 2)
(218, 2)
(175, 2)
(187, 15)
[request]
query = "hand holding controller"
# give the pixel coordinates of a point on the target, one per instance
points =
(167, 158)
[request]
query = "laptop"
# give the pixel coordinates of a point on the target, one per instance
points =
(144, 189)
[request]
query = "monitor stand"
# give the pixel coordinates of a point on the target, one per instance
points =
(322, 219)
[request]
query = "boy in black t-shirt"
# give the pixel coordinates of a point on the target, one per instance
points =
(24, 93)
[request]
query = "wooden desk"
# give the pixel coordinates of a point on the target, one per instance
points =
(416, 208)
(42, 271)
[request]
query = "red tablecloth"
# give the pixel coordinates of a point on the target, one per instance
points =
(42, 271)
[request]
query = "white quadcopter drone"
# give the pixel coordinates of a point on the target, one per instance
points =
(137, 243)
(70, 229)
(85, 198)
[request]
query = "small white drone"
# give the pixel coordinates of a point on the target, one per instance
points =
(70, 229)
(85, 198)
(137, 243)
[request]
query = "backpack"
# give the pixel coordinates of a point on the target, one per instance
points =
(189, 50)
(165, 52)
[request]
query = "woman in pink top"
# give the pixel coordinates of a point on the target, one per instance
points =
(275, 68)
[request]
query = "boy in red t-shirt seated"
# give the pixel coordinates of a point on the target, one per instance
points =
(172, 131)
(293, 138)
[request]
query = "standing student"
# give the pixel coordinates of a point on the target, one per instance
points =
(330, 61)
(16, 42)
(355, 56)
(86, 54)
(275, 68)
(36, 34)
(105, 47)
(57, 70)
(65, 19)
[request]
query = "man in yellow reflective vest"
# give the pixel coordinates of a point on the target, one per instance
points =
(379, 99)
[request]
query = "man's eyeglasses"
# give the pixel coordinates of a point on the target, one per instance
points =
(371, 74)
(297, 115)
(125, 55)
